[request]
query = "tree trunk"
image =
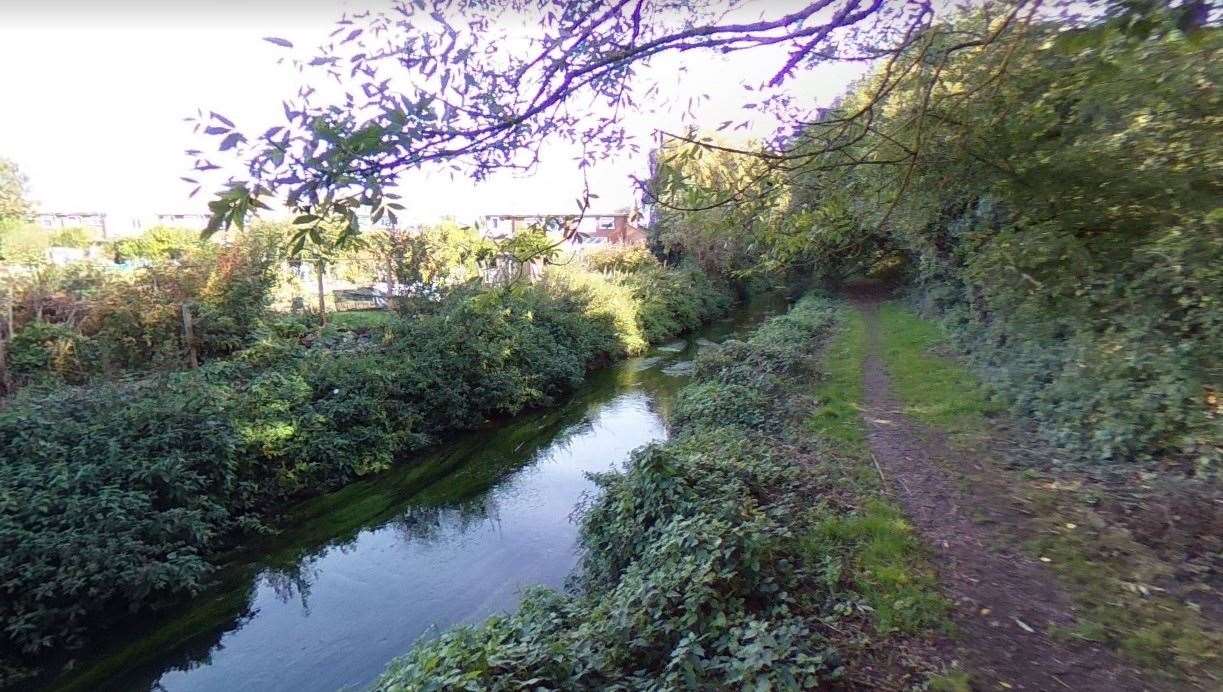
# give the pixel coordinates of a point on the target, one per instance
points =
(193, 358)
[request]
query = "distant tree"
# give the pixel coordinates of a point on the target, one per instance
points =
(14, 204)
(74, 237)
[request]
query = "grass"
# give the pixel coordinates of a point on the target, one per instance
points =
(838, 420)
(876, 546)
(1112, 579)
(935, 390)
(954, 680)
(360, 320)
(886, 563)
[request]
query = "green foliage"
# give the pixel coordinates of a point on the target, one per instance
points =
(23, 243)
(72, 237)
(1052, 193)
(624, 258)
(110, 496)
(691, 574)
(713, 208)
(159, 243)
(114, 496)
(434, 257)
(1088, 295)
(643, 305)
(82, 321)
(41, 347)
(14, 205)
(233, 304)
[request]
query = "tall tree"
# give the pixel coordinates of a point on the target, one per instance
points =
(14, 203)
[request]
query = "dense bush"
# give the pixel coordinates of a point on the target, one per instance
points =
(1085, 276)
(645, 304)
(114, 496)
(692, 576)
(78, 321)
(159, 243)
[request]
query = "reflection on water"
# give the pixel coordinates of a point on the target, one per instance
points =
(355, 577)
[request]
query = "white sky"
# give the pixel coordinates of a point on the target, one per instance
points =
(95, 96)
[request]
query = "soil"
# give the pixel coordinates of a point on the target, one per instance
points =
(1005, 603)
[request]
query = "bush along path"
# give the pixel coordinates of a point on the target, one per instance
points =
(1048, 588)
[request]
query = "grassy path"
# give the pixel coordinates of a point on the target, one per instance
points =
(1058, 577)
(1005, 604)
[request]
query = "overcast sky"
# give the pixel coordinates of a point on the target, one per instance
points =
(95, 94)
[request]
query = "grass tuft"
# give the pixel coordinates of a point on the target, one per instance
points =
(884, 556)
(838, 420)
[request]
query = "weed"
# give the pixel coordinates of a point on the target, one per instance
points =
(885, 563)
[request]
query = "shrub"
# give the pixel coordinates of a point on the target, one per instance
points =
(40, 348)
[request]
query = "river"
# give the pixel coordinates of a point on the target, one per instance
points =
(354, 577)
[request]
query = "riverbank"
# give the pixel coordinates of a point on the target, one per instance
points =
(736, 554)
(118, 496)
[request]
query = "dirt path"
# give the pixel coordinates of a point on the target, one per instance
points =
(1004, 602)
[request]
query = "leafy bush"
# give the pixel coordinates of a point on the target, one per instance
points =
(621, 258)
(41, 347)
(72, 237)
(110, 496)
(106, 322)
(159, 243)
(1074, 248)
(1053, 193)
(113, 497)
(692, 576)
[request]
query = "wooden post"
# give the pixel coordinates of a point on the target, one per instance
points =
(6, 381)
(193, 358)
(319, 266)
(390, 276)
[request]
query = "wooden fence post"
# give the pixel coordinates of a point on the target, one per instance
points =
(6, 380)
(319, 267)
(193, 358)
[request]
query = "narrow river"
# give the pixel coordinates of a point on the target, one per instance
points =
(353, 578)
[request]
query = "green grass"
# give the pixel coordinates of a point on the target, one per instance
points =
(936, 390)
(954, 680)
(360, 320)
(1109, 575)
(885, 560)
(838, 420)
(1101, 566)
